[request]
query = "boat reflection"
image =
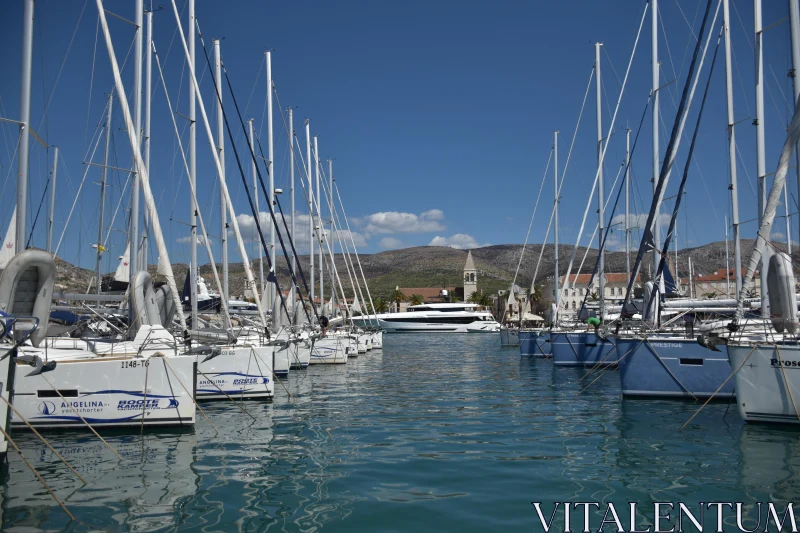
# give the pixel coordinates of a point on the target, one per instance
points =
(142, 492)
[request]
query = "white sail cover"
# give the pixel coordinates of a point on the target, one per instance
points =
(773, 199)
(356, 306)
(279, 316)
(123, 272)
(9, 243)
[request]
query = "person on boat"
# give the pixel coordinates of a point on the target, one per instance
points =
(595, 322)
(323, 322)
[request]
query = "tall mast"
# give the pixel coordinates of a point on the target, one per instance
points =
(223, 210)
(318, 226)
(133, 230)
(310, 206)
(654, 69)
(291, 192)
(255, 195)
(600, 193)
(24, 118)
(330, 225)
(52, 201)
(761, 163)
(101, 222)
(270, 153)
(628, 202)
(555, 228)
(737, 250)
(794, 16)
(192, 176)
(148, 75)
(727, 262)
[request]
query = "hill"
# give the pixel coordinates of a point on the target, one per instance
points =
(434, 266)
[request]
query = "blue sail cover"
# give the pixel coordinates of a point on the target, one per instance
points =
(669, 282)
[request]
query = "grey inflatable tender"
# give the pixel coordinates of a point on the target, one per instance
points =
(26, 288)
(143, 302)
(165, 304)
(782, 303)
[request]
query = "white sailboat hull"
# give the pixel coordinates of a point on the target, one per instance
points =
(107, 392)
(243, 373)
(329, 350)
(768, 382)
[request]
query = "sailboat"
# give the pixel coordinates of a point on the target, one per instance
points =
(585, 348)
(767, 386)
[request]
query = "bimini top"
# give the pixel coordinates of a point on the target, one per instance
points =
(443, 307)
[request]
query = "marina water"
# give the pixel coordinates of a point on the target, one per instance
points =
(434, 433)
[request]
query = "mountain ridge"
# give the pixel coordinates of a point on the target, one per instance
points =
(437, 266)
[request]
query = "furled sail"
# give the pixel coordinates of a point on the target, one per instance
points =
(792, 137)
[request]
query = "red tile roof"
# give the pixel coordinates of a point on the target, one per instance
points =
(719, 275)
(611, 277)
(426, 292)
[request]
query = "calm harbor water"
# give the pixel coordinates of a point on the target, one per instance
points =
(434, 433)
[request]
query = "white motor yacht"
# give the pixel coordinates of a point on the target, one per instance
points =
(435, 317)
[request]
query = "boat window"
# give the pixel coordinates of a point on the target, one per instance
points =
(57, 394)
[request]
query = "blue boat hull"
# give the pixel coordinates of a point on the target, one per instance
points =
(678, 368)
(582, 349)
(534, 343)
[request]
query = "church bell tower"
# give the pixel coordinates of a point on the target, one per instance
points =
(470, 277)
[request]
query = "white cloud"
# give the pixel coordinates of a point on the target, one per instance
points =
(460, 241)
(638, 221)
(249, 231)
(390, 243)
(188, 239)
(388, 222)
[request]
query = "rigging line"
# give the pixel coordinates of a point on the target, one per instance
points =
(688, 41)
(119, 203)
(63, 62)
(530, 225)
(744, 31)
(742, 165)
(605, 146)
(607, 229)
(36, 218)
(253, 90)
(6, 128)
(741, 83)
(705, 186)
(11, 166)
(691, 28)
(659, 272)
(674, 141)
(91, 80)
(563, 174)
(218, 94)
(785, 101)
(672, 90)
(75, 201)
(611, 64)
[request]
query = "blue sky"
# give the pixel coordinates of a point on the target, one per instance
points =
(439, 115)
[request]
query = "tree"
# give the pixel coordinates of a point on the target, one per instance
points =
(416, 299)
(379, 305)
(536, 295)
(398, 296)
(481, 298)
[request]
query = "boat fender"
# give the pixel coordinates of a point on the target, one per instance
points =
(781, 293)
